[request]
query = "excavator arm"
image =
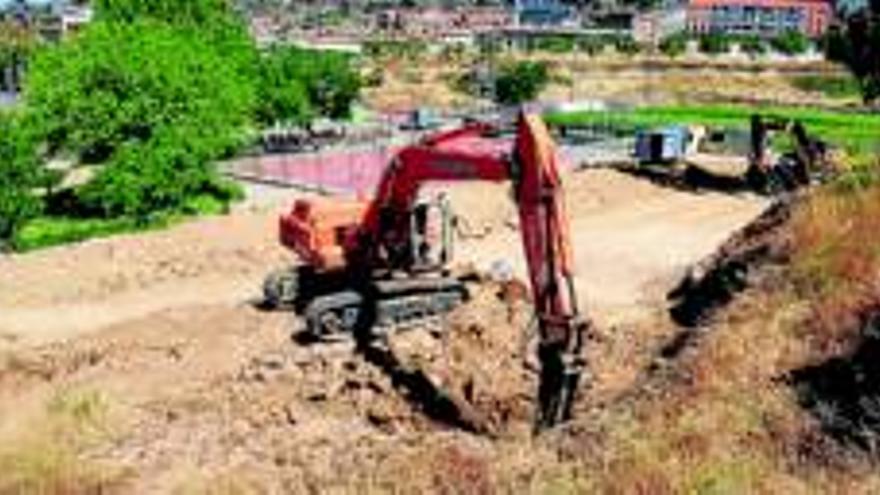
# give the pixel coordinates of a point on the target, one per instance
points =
(533, 167)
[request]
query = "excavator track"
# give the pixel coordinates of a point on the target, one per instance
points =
(383, 306)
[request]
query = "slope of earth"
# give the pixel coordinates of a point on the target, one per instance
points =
(139, 364)
(778, 393)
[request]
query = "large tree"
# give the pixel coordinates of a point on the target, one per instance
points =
(142, 89)
(857, 44)
(520, 82)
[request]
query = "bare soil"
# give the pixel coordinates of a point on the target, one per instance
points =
(202, 383)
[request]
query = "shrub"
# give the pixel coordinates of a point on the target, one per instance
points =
(674, 45)
(626, 45)
(752, 45)
(714, 43)
(557, 44)
(791, 43)
(520, 82)
(591, 44)
(157, 175)
(20, 176)
(833, 86)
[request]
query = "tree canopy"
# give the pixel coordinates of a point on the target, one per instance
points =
(119, 84)
(520, 82)
(190, 12)
(857, 44)
(297, 84)
(125, 90)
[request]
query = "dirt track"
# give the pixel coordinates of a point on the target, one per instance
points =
(201, 381)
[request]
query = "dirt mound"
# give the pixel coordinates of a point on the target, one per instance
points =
(96, 270)
(227, 389)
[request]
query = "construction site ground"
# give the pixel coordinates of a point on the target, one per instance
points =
(159, 335)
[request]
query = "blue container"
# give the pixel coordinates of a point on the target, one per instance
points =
(663, 145)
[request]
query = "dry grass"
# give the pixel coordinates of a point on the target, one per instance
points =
(836, 238)
(232, 483)
(43, 456)
(724, 419)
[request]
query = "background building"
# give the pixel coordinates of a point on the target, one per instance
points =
(764, 18)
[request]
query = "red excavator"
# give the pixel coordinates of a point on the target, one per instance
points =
(371, 265)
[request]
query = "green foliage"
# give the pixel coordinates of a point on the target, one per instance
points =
(214, 21)
(714, 43)
(830, 85)
(190, 12)
(282, 96)
(47, 231)
(140, 178)
(752, 45)
(53, 231)
(154, 103)
(857, 44)
(591, 44)
(791, 43)
(674, 45)
(520, 82)
(297, 84)
(626, 45)
(20, 176)
(121, 84)
(556, 44)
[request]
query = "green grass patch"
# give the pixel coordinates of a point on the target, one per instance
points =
(48, 231)
(851, 131)
(831, 86)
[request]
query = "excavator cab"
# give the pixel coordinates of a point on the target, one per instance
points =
(424, 242)
(431, 233)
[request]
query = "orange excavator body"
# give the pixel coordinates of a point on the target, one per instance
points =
(320, 230)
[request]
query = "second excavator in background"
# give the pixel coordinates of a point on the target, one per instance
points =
(805, 162)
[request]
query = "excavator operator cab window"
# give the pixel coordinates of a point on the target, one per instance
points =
(431, 232)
